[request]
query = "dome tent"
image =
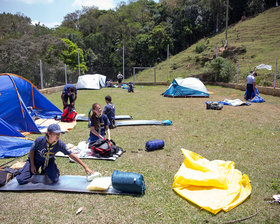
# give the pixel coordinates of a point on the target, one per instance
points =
(19, 98)
(91, 81)
(188, 87)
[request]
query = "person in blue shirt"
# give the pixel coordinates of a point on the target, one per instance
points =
(99, 124)
(69, 92)
(109, 110)
(42, 155)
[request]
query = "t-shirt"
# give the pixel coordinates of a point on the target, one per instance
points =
(250, 79)
(40, 149)
(119, 76)
(104, 121)
(67, 87)
(109, 110)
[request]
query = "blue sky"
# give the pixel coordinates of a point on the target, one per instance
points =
(51, 12)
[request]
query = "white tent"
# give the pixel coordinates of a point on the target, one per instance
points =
(188, 87)
(91, 81)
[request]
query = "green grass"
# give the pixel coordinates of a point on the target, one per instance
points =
(248, 136)
(259, 36)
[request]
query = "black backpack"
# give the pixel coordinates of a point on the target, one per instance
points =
(104, 148)
(214, 105)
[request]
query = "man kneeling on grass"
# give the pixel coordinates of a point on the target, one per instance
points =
(42, 155)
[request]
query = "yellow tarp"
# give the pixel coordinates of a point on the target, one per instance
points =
(213, 185)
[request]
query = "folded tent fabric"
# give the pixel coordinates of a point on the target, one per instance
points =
(255, 98)
(14, 147)
(213, 185)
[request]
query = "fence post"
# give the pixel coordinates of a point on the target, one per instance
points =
(155, 78)
(167, 62)
(133, 75)
(41, 75)
(275, 74)
(79, 62)
(65, 67)
(237, 73)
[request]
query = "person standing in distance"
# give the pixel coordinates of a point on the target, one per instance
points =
(69, 92)
(120, 78)
(251, 85)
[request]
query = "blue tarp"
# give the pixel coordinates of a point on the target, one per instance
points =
(14, 147)
(255, 98)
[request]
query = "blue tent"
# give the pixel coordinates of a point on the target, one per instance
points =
(18, 97)
(188, 87)
(14, 147)
(20, 103)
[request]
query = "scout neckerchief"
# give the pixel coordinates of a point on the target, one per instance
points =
(49, 147)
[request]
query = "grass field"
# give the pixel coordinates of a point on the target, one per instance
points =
(247, 135)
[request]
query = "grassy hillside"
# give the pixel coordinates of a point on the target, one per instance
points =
(258, 38)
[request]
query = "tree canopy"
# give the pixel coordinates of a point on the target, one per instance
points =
(142, 28)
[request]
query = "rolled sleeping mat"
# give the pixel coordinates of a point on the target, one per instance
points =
(128, 182)
(154, 145)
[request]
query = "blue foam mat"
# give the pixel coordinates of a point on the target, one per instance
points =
(66, 183)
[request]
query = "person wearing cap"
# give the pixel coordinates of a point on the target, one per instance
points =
(251, 85)
(69, 92)
(42, 155)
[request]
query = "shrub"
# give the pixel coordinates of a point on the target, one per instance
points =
(174, 66)
(200, 47)
(222, 70)
(258, 80)
(267, 83)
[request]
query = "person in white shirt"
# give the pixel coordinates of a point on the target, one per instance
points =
(251, 84)
(120, 78)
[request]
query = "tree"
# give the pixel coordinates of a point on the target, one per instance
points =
(70, 56)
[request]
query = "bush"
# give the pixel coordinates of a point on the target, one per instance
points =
(222, 70)
(200, 47)
(174, 66)
(267, 83)
(258, 80)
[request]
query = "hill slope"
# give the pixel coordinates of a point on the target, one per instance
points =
(258, 38)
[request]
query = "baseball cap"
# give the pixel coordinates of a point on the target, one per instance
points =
(55, 128)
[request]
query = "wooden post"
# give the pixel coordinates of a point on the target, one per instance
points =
(155, 78)
(275, 74)
(65, 67)
(41, 75)
(237, 73)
